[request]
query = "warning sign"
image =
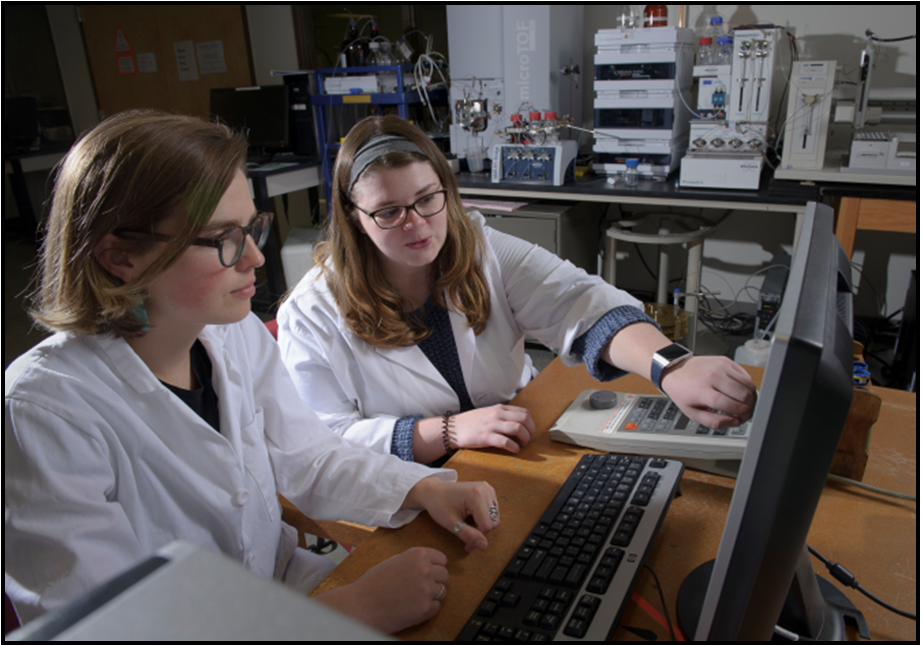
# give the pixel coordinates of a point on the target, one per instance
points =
(121, 43)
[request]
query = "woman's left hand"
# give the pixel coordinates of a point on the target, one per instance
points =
(714, 391)
(467, 509)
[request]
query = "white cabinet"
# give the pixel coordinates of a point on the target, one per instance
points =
(570, 230)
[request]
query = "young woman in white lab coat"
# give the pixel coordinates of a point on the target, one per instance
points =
(408, 334)
(160, 410)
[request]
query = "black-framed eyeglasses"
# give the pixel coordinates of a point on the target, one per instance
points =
(392, 217)
(235, 237)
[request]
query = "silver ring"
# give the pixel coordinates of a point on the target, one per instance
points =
(494, 513)
(461, 525)
(442, 590)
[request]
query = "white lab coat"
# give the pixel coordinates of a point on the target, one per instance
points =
(359, 391)
(103, 465)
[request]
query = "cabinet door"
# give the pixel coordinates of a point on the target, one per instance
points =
(539, 231)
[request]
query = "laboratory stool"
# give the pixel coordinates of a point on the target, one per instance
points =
(663, 230)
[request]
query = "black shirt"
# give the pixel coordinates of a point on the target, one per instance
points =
(203, 400)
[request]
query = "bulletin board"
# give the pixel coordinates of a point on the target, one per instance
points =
(165, 56)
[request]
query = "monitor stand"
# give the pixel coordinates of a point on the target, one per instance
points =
(814, 608)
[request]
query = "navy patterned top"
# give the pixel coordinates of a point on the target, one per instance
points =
(439, 347)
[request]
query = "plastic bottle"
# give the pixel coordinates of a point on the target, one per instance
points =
(705, 55)
(631, 174)
(655, 15)
(374, 55)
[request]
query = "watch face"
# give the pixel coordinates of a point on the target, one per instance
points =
(672, 352)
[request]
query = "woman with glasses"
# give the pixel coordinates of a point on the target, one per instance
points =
(161, 410)
(408, 334)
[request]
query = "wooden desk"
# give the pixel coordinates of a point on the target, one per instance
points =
(871, 535)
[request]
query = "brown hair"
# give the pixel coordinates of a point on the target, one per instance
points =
(372, 307)
(128, 173)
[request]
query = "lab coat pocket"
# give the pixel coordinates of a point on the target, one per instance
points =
(258, 466)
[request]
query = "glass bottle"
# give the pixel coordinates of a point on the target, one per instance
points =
(724, 51)
(631, 16)
(705, 55)
(655, 15)
(631, 174)
(354, 48)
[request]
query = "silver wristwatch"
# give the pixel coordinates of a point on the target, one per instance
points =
(671, 355)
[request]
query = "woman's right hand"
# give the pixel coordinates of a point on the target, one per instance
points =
(500, 426)
(400, 592)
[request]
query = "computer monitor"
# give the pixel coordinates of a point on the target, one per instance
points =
(261, 112)
(762, 576)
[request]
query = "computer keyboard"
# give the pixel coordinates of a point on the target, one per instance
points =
(571, 576)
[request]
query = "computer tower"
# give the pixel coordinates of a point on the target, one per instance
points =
(302, 136)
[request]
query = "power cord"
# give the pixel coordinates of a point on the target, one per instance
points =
(846, 578)
(662, 599)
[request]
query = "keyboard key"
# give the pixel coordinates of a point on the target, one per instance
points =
(564, 597)
(575, 577)
(576, 628)
(598, 585)
(550, 622)
(533, 618)
(510, 600)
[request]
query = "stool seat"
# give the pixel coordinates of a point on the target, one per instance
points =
(664, 229)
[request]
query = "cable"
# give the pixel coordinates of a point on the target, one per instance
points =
(428, 64)
(662, 598)
(861, 485)
(848, 579)
(870, 34)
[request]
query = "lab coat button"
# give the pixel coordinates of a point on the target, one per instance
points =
(240, 498)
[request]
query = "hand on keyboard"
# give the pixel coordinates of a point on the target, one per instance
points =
(703, 384)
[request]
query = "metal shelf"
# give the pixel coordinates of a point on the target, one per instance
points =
(399, 99)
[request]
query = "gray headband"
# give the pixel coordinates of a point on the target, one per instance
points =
(375, 147)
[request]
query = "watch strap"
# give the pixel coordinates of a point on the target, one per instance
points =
(663, 358)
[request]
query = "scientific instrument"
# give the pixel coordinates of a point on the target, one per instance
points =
(642, 85)
(737, 103)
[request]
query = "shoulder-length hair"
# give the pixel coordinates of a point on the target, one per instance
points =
(128, 173)
(371, 306)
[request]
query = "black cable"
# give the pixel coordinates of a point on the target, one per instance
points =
(662, 599)
(846, 578)
(870, 34)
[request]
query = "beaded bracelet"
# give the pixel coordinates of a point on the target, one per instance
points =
(447, 421)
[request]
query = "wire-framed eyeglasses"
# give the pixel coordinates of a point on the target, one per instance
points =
(392, 217)
(234, 237)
